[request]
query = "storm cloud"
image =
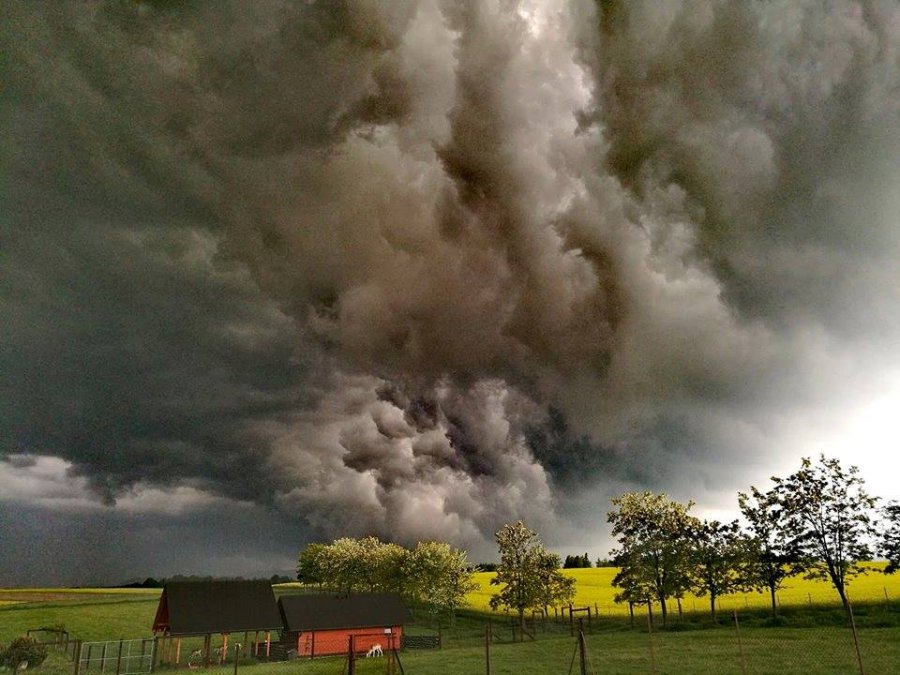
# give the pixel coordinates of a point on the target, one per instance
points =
(419, 268)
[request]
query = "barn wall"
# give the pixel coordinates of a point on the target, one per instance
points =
(337, 641)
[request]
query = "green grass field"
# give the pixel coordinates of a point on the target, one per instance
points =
(805, 640)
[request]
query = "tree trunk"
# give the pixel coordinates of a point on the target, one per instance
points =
(774, 605)
(843, 593)
(663, 610)
(522, 625)
(712, 605)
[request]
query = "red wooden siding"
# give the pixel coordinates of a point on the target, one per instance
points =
(324, 642)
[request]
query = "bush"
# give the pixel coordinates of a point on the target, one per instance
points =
(23, 650)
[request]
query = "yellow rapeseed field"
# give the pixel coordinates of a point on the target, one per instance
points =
(593, 587)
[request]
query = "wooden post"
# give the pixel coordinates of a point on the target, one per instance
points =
(268, 642)
(207, 643)
(351, 657)
(312, 646)
(256, 644)
(153, 653)
(119, 658)
(737, 630)
(571, 622)
(103, 658)
(224, 647)
(237, 655)
(487, 648)
(78, 657)
(581, 647)
(177, 651)
(855, 638)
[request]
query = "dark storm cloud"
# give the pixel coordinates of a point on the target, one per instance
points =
(419, 268)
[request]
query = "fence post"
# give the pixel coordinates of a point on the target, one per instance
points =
(582, 657)
(237, 655)
(487, 649)
(737, 630)
(78, 656)
(855, 637)
(119, 658)
(351, 656)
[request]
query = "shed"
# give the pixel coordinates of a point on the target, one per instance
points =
(204, 608)
(323, 624)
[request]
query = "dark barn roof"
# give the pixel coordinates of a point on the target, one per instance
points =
(201, 607)
(322, 612)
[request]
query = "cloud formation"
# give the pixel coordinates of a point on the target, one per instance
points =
(418, 268)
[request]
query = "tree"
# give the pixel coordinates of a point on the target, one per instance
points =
(890, 538)
(769, 559)
(523, 571)
(555, 588)
(654, 544)
(23, 650)
(827, 517)
(309, 564)
(439, 577)
(716, 554)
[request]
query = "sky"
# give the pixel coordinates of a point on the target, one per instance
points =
(279, 272)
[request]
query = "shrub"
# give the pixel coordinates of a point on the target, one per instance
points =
(23, 650)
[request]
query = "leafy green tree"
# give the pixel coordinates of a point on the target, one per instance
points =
(389, 566)
(828, 518)
(349, 565)
(890, 538)
(654, 545)
(716, 555)
(21, 651)
(523, 572)
(770, 558)
(309, 566)
(555, 588)
(439, 577)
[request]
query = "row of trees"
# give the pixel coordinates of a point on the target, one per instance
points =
(577, 562)
(432, 574)
(438, 576)
(819, 522)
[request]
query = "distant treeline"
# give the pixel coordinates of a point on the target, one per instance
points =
(150, 582)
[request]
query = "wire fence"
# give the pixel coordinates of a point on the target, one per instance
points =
(571, 641)
(600, 645)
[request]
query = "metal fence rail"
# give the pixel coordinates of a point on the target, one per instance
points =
(116, 657)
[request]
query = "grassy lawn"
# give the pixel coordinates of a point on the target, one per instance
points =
(802, 640)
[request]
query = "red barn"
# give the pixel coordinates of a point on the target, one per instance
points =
(323, 624)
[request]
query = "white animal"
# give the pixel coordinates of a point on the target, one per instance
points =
(375, 650)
